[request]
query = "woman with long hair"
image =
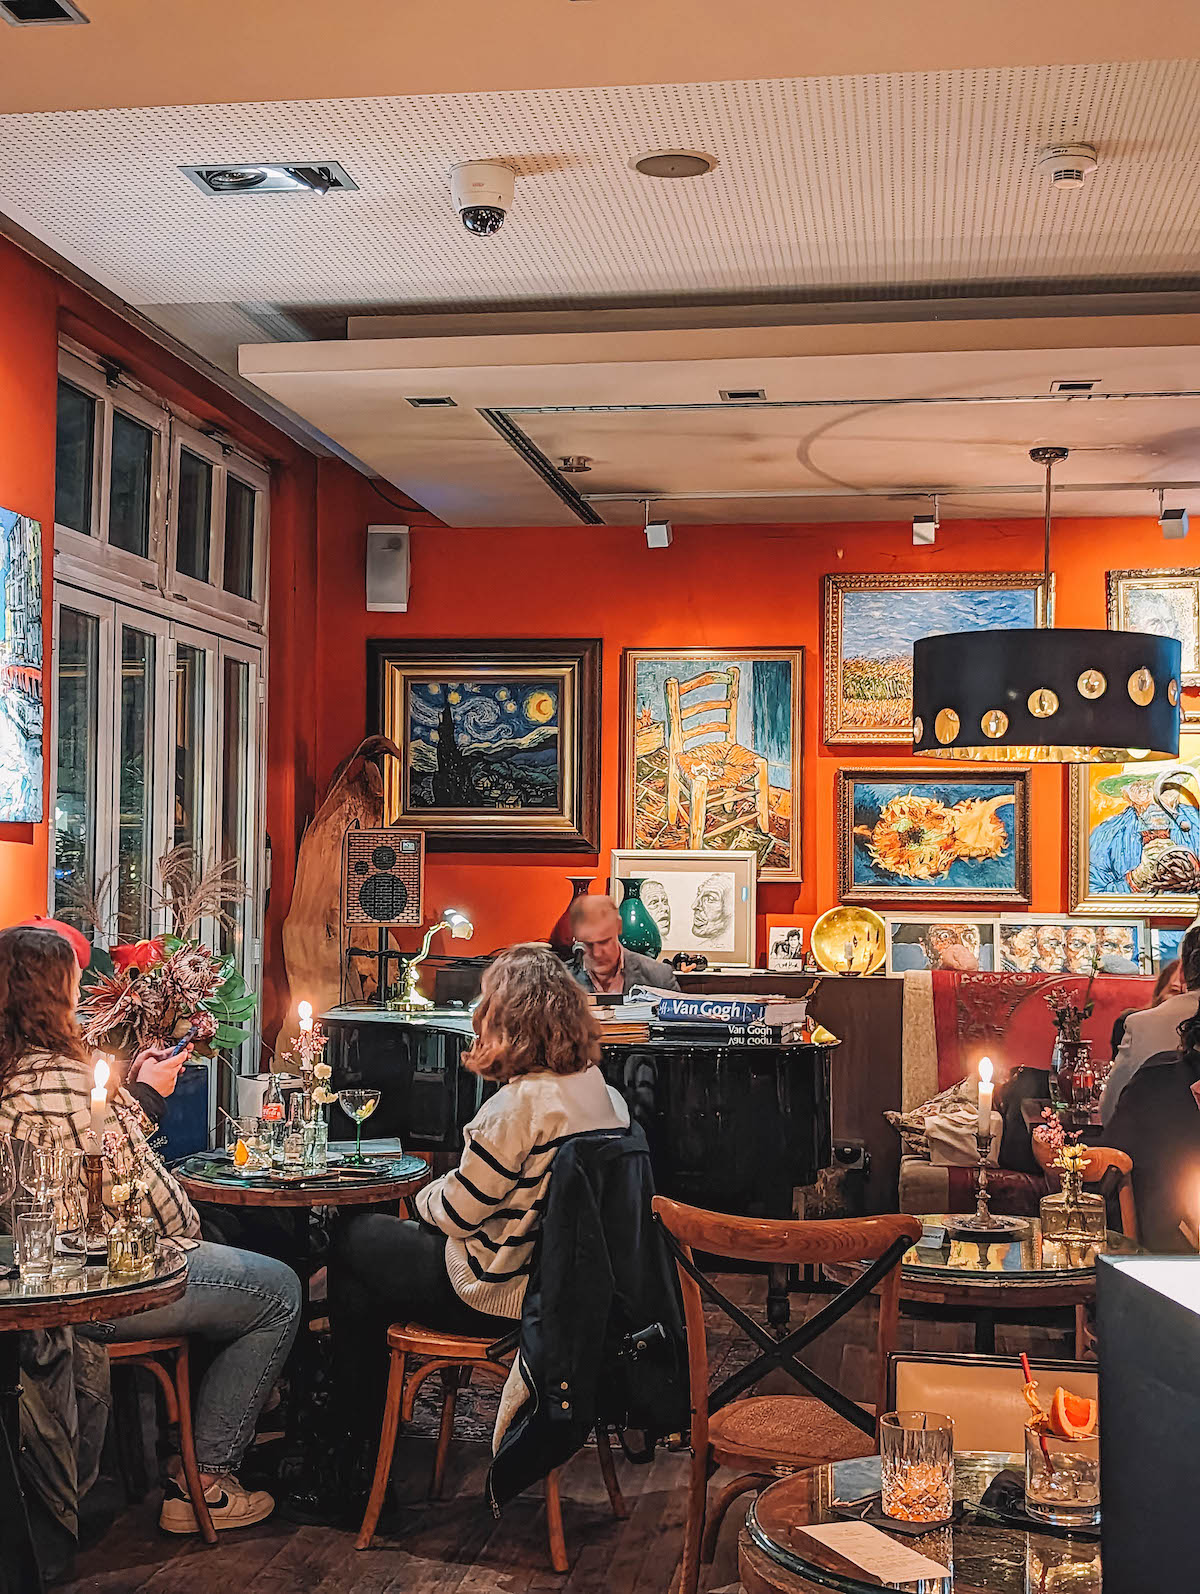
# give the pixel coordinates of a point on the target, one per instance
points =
(462, 1265)
(245, 1305)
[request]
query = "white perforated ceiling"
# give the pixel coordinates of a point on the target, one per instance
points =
(894, 184)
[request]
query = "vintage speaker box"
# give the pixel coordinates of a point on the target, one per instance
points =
(387, 569)
(383, 875)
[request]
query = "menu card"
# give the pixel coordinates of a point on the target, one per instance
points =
(873, 1552)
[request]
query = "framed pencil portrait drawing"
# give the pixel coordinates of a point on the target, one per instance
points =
(871, 623)
(499, 741)
(710, 752)
(701, 901)
(1134, 835)
(953, 836)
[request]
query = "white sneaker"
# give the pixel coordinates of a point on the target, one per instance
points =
(229, 1505)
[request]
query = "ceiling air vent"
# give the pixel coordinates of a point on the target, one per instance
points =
(1074, 385)
(444, 403)
(40, 13)
(743, 395)
(263, 177)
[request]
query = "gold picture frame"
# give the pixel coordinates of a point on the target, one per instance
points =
(887, 718)
(1178, 592)
(1106, 824)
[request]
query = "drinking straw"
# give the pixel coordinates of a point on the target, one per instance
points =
(1041, 1436)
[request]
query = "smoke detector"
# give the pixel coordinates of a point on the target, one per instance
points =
(1066, 165)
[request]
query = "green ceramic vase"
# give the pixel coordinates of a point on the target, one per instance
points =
(639, 933)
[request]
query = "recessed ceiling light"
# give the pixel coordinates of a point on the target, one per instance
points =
(265, 177)
(1069, 385)
(40, 13)
(674, 163)
(743, 395)
(439, 402)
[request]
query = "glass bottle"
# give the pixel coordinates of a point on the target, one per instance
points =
(272, 1116)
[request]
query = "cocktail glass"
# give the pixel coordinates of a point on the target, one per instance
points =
(1062, 1478)
(360, 1104)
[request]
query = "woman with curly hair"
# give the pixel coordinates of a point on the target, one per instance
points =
(462, 1265)
(245, 1305)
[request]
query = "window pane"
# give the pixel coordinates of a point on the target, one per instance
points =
(129, 492)
(188, 827)
(135, 864)
(74, 459)
(195, 507)
(235, 787)
(75, 798)
(239, 538)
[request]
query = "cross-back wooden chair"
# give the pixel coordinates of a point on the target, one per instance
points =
(713, 772)
(765, 1436)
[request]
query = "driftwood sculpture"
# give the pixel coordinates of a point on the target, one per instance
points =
(312, 931)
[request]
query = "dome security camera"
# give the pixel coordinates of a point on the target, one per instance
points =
(483, 194)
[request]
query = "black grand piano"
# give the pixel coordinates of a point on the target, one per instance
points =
(731, 1128)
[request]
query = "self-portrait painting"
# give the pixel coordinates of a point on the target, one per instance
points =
(1165, 603)
(871, 623)
(20, 668)
(1135, 834)
(499, 741)
(948, 837)
(711, 743)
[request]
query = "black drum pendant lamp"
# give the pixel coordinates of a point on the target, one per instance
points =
(1046, 696)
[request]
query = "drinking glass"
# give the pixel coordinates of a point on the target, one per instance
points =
(71, 1248)
(8, 1171)
(1062, 1478)
(360, 1104)
(251, 1133)
(33, 1240)
(916, 1450)
(43, 1166)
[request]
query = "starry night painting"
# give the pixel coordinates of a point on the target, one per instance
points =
(499, 741)
(483, 744)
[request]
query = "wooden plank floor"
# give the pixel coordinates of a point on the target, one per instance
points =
(456, 1547)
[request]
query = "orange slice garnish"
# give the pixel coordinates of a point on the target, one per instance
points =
(241, 1154)
(1072, 1416)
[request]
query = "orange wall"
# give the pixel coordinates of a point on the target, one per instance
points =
(729, 586)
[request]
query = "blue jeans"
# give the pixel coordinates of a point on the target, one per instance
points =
(249, 1306)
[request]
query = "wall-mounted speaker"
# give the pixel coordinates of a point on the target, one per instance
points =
(383, 874)
(387, 569)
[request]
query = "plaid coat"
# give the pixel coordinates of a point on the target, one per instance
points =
(50, 1092)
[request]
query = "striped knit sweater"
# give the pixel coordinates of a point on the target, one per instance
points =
(490, 1206)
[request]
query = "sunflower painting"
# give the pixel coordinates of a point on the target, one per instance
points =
(948, 838)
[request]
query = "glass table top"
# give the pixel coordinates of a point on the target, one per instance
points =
(95, 1280)
(1023, 1258)
(215, 1167)
(984, 1556)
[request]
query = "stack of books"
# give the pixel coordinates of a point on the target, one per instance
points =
(731, 1020)
(622, 1021)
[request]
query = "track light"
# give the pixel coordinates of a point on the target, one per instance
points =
(925, 526)
(1173, 522)
(658, 532)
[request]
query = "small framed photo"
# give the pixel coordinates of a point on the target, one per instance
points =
(701, 901)
(1034, 943)
(960, 943)
(785, 948)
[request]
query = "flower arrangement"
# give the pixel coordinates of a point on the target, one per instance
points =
(162, 991)
(308, 1052)
(1067, 1153)
(1068, 1016)
(126, 1159)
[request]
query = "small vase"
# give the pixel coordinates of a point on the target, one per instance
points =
(1073, 1216)
(315, 1154)
(639, 933)
(561, 938)
(132, 1245)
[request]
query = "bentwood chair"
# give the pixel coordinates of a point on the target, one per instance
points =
(763, 1437)
(457, 1357)
(174, 1381)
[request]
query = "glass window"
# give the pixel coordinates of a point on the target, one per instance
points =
(194, 515)
(131, 485)
(135, 826)
(75, 798)
(235, 788)
(190, 690)
(75, 457)
(240, 500)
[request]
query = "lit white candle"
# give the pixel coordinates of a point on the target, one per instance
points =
(99, 1098)
(985, 1095)
(305, 1012)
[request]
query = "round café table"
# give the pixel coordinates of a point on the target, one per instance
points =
(984, 1555)
(211, 1177)
(979, 1280)
(92, 1296)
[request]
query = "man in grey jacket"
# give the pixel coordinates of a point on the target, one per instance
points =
(1153, 1035)
(606, 965)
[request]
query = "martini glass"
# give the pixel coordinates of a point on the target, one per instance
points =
(360, 1104)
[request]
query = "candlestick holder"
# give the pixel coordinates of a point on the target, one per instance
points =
(95, 1233)
(983, 1224)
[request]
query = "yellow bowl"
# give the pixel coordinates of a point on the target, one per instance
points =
(857, 927)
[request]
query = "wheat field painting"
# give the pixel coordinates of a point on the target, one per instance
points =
(871, 623)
